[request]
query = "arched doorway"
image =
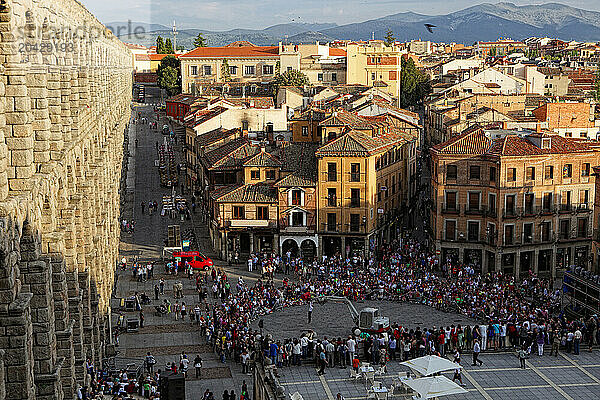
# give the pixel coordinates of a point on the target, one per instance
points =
(291, 246)
(309, 249)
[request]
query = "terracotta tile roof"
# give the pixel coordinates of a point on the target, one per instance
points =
(333, 52)
(158, 57)
(233, 52)
(300, 160)
(343, 118)
(472, 142)
(475, 142)
(256, 193)
(356, 143)
(230, 155)
(183, 99)
(214, 136)
(198, 117)
(296, 180)
(263, 159)
(262, 102)
(142, 57)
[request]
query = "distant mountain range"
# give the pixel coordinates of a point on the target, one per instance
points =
(481, 22)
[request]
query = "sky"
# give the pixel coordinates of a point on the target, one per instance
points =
(220, 15)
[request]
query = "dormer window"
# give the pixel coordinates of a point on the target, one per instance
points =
(546, 143)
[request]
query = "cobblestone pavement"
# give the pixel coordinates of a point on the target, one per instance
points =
(565, 377)
(334, 319)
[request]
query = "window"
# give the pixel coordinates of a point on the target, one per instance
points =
(565, 200)
(584, 198)
(355, 172)
(473, 231)
(373, 76)
(565, 227)
(194, 70)
(474, 201)
(451, 172)
(334, 77)
(530, 173)
(270, 175)
(512, 175)
(547, 201)
(509, 231)
(232, 70)
(331, 197)
(331, 222)
(492, 174)
(262, 212)
(296, 197)
(492, 203)
(585, 169)
(249, 70)
(297, 218)
(332, 172)
(450, 229)
(245, 125)
(289, 69)
(529, 203)
(474, 172)
(549, 172)
(305, 131)
(510, 204)
(568, 170)
(491, 233)
(238, 212)
(354, 222)
(207, 70)
(320, 77)
(255, 174)
(451, 200)
(582, 227)
(267, 70)
(354, 197)
(528, 232)
(546, 231)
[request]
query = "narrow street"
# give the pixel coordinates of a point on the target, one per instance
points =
(163, 336)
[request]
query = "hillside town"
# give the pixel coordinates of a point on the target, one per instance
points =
(254, 203)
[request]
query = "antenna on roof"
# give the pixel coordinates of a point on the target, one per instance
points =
(175, 37)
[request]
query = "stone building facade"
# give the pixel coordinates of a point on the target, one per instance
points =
(514, 201)
(65, 93)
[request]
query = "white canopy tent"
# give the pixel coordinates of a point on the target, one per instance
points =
(429, 365)
(433, 386)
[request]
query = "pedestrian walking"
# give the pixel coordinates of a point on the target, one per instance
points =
(522, 353)
(476, 351)
(555, 343)
(198, 366)
(310, 310)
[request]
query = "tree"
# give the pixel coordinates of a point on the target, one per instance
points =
(160, 45)
(169, 75)
(289, 78)
(225, 74)
(414, 84)
(389, 38)
(168, 47)
(200, 41)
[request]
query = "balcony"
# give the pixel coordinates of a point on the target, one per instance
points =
(450, 210)
(250, 223)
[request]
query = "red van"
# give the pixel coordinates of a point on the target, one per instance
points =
(196, 259)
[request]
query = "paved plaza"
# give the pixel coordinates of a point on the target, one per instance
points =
(564, 377)
(568, 376)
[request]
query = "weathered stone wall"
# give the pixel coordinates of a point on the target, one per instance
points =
(65, 93)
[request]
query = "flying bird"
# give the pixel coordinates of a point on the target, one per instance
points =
(429, 26)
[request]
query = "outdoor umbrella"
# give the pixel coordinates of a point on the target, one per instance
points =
(429, 365)
(434, 386)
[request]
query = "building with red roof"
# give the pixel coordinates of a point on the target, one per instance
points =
(514, 201)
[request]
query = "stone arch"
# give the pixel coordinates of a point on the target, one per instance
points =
(308, 248)
(290, 245)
